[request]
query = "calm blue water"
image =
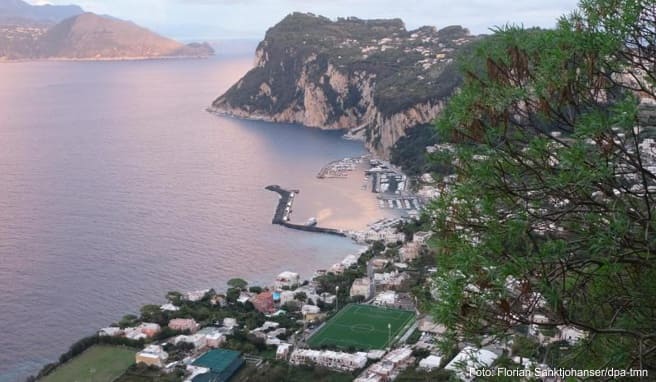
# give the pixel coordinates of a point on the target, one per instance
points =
(116, 186)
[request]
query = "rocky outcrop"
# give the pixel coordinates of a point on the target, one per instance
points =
(371, 77)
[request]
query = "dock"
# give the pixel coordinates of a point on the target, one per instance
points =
(284, 210)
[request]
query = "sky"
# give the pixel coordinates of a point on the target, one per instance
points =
(249, 19)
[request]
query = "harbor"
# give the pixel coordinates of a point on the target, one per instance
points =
(283, 213)
(339, 168)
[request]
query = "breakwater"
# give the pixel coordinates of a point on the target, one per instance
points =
(284, 210)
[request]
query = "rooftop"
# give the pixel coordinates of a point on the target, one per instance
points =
(217, 360)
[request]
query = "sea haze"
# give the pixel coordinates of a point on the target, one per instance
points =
(116, 186)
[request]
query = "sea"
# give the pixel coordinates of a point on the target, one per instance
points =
(116, 186)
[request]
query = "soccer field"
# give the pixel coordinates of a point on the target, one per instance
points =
(96, 364)
(363, 327)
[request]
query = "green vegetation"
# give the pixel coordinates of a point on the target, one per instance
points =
(413, 375)
(362, 327)
(279, 371)
(330, 282)
(81, 346)
(143, 373)
(237, 283)
(96, 364)
(409, 152)
(552, 192)
(406, 69)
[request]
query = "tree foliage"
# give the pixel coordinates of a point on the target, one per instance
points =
(237, 283)
(552, 214)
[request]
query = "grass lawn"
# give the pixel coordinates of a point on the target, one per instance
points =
(363, 327)
(96, 364)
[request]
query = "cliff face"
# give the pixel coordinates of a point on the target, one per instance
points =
(369, 76)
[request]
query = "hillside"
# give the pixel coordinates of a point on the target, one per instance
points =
(18, 9)
(90, 36)
(373, 77)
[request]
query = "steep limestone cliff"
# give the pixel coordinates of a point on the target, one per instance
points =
(369, 76)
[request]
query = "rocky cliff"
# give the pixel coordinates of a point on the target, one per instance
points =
(372, 77)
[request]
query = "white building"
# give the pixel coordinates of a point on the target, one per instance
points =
(431, 362)
(282, 352)
(410, 251)
(337, 269)
(286, 296)
(362, 287)
(229, 322)
(134, 334)
(152, 355)
(310, 312)
(389, 367)
(571, 334)
(329, 359)
(195, 295)
(150, 329)
(169, 308)
(198, 340)
(111, 331)
(421, 237)
(399, 356)
(470, 359)
(214, 337)
(245, 297)
(350, 261)
(386, 298)
(391, 280)
(287, 279)
(215, 340)
(368, 377)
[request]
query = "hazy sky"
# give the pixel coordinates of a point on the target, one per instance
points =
(251, 18)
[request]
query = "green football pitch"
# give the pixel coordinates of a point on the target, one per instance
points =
(363, 327)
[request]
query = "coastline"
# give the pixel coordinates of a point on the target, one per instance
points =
(352, 237)
(243, 115)
(4, 60)
(200, 243)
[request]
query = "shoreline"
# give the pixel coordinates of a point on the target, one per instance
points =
(346, 234)
(222, 112)
(103, 59)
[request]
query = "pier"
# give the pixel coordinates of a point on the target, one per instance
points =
(284, 210)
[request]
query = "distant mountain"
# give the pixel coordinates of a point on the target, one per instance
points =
(90, 36)
(18, 9)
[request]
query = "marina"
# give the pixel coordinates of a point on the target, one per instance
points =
(339, 168)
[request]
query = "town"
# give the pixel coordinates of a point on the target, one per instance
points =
(362, 319)
(365, 318)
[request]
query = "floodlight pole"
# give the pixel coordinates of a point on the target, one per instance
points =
(389, 335)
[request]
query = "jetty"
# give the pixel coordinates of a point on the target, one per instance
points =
(284, 210)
